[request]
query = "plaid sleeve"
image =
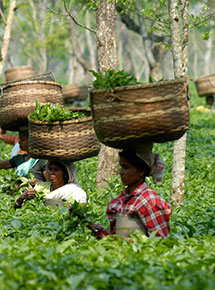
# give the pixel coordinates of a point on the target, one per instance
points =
(155, 216)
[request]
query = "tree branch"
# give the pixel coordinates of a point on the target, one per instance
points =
(131, 25)
(75, 21)
(2, 15)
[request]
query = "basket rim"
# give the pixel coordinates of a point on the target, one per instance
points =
(66, 122)
(204, 77)
(19, 67)
(140, 86)
(6, 85)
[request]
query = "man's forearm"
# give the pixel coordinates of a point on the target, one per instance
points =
(9, 139)
(5, 164)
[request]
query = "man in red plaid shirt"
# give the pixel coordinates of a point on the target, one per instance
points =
(138, 207)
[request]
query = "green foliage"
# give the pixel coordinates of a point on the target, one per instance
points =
(206, 35)
(54, 112)
(42, 248)
(152, 80)
(112, 79)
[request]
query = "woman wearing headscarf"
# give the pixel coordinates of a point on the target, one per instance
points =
(138, 207)
(63, 186)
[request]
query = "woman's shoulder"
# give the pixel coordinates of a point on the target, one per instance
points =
(117, 199)
(67, 191)
(69, 187)
(150, 194)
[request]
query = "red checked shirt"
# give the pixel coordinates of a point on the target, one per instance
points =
(153, 211)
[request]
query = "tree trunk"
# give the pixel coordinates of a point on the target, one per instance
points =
(208, 54)
(152, 54)
(107, 59)
(7, 32)
(179, 51)
(90, 39)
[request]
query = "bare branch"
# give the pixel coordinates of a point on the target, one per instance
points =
(131, 25)
(75, 21)
(2, 15)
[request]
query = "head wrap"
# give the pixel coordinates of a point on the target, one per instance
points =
(153, 160)
(71, 170)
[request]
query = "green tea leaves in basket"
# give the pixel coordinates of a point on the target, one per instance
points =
(54, 112)
(113, 79)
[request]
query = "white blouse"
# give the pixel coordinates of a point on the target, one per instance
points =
(68, 191)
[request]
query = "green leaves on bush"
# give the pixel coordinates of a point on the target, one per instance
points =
(113, 79)
(54, 112)
(42, 248)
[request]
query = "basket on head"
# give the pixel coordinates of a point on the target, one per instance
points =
(18, 73)
(205, 85)
(156, 112)
(63, 140)
(18, 100)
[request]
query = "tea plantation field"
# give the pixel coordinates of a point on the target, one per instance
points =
(41, 248)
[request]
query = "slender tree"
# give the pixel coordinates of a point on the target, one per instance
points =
(179, 37)
(7, 32)
(107, 59)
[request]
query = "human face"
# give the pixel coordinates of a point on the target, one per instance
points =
(57, 176)
(23, 142)
(130, 175)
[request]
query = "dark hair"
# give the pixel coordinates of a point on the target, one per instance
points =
(136, 161)
(24, 132)
(62, 167)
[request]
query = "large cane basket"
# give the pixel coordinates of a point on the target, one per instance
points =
(18, 100)
(156, 112)
(205, 85)
(63, 140)
(18, 73)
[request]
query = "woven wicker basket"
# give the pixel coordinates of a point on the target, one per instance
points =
(156, 112)
(83, 93)
(75, 92)
(18, 73)
(19, 98)
(205, 85)
(66, 140)
(70, 91)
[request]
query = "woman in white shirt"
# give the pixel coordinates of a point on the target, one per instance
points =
(64, 186)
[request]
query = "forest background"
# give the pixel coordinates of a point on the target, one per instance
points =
(52, 36)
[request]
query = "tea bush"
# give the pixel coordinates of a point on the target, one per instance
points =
(43, 248)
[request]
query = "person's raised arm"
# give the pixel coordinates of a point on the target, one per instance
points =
(8, 138)
(5, 164)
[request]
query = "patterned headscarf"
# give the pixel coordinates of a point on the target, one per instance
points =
(153, 160)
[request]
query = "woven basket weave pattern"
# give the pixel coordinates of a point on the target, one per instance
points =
(205, 85)
(70, 91)
(18, 73)
(19, 99)
(67, 140)
(75, 92)
(154, 112)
